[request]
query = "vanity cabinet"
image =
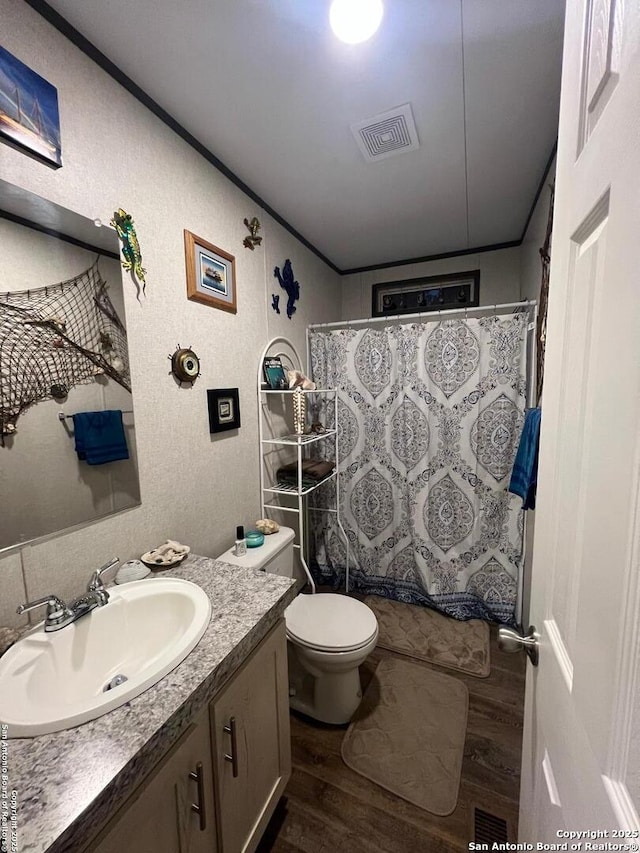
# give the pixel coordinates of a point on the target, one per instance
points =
(160, 816)
(217, 787)
(251, 745)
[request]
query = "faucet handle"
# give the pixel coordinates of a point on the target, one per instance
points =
(95, 581)
(56, 608)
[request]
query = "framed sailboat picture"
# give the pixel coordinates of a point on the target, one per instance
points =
(29, 116)
(211, 273)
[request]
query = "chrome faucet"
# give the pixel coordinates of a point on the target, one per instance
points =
(60, 614)
(95, 586)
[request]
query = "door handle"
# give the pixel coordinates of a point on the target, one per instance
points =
(511, 641)
(233, 758)
(199, 807)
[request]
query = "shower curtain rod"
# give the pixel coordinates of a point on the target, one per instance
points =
(528, 304)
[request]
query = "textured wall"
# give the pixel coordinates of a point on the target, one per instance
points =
(195, 487)
(499, 279)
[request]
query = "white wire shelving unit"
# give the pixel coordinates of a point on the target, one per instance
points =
(270, 489)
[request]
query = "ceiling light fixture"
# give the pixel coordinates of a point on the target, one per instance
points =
(354, 21)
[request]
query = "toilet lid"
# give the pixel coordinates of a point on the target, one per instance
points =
(330, 622)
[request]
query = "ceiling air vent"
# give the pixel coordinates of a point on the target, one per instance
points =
(386, 134)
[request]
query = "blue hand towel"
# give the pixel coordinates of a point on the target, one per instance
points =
(524, 477)
(100, 436)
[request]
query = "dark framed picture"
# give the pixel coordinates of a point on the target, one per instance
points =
(274, 374)
(29, 115)
(211, 273)
(224, 409)
(430, 293)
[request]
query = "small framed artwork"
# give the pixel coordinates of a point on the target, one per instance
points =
(431, 293)
(29, 116)
(224, 409)
(211, 273)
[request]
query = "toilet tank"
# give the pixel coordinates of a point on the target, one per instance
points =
(276, 555)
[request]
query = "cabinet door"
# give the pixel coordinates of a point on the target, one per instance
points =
(158, 817)
(251, 743)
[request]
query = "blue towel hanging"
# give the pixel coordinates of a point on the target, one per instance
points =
(524, 477)
(99, 437)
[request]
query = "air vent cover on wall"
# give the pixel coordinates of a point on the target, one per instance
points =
(386, 134)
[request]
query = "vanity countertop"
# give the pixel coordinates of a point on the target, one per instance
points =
(70, 782)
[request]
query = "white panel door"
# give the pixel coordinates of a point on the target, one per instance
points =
(581, 759)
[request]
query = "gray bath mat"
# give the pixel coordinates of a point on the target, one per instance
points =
(408, 734)
(427, 635)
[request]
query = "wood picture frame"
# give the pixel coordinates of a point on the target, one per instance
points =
(211, 274)
(425, 294)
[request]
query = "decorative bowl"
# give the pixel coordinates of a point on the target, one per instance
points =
(254, 538)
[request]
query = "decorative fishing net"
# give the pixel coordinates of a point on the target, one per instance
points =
(55, 337)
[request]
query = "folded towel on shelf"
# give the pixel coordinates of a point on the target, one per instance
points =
(524, 477)
(313, 471)
(100, 437)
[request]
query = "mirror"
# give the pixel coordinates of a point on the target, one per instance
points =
(68, 340)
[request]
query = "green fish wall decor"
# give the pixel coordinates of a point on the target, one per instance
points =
(123, 223)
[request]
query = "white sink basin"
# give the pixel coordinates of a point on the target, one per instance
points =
(54, 681)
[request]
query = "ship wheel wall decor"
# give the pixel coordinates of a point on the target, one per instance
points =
(185, 364)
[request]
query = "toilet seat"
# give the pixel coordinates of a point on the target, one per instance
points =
(330, 650)
(329, 622)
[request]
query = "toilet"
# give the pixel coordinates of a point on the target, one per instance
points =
(328, 637)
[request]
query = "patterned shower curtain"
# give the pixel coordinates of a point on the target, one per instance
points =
(429, 418)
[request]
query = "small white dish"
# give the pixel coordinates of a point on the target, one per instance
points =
(132, 570)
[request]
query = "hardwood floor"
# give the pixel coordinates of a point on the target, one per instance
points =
(329, 807)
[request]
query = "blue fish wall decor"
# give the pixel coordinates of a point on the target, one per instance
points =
(290, 285)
